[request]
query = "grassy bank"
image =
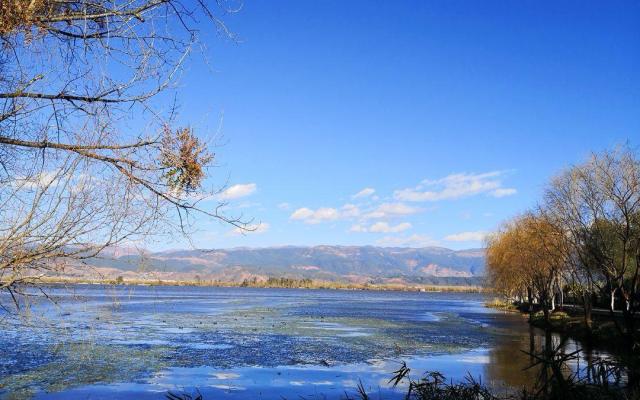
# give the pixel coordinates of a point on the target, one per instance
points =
(269, 283)
(501, 305)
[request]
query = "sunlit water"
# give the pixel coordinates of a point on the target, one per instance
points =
(231, 343)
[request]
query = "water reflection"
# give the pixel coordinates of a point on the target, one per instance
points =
(508, 364)
(517, 359)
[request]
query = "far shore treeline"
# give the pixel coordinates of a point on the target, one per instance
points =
(271, 282)
(580, 244)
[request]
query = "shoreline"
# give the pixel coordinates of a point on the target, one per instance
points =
(569, 323)
(288, 284)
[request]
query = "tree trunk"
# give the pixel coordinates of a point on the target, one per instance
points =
(530, 302)
(586, 305)
(544, 301)
(547, 356)
(612, 306)
(532, 344)
(561, 293)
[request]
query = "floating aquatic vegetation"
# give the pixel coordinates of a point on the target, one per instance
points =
(81, 364)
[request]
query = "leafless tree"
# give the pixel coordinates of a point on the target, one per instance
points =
(88, 154)
(598, 203)
(563, 204)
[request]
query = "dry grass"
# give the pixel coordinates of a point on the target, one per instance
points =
(501, 304)
(307, 284)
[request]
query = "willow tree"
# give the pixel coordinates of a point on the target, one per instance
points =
(504, 264)
(528, 253)
(89, 157)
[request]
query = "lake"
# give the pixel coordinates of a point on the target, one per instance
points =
(139, 342)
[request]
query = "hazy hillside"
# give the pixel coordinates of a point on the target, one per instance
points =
(337, 263)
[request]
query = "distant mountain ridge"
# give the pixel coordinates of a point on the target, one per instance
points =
(357, 264)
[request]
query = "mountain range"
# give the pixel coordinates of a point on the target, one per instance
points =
(355, 264)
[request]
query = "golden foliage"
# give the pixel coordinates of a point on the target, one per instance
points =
(527, 253)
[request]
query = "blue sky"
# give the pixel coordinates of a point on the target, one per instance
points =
(406, 123)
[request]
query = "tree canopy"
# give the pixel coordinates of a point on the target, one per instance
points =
(89, 154)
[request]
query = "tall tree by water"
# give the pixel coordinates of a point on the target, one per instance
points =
(88, 154)
(598, 205)
(525, 256)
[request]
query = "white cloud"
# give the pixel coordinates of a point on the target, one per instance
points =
(244, 204)
(349, 211)
(326, 213)
(503, 192)
(387, 210)
(237, 191)
(476, 236)
(261, 228)
(456, 186)
(357, 228)
(408, 241)
(310, 216)
(255, 229)
(284, 206)
(301, 213)
(41, 180)
(366, 192)
(383, 227)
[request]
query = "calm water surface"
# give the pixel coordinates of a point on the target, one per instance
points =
(232, 343)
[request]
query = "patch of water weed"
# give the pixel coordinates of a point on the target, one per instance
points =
(266, 336)
(268, 350)
(21, 357)
(81, 364)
